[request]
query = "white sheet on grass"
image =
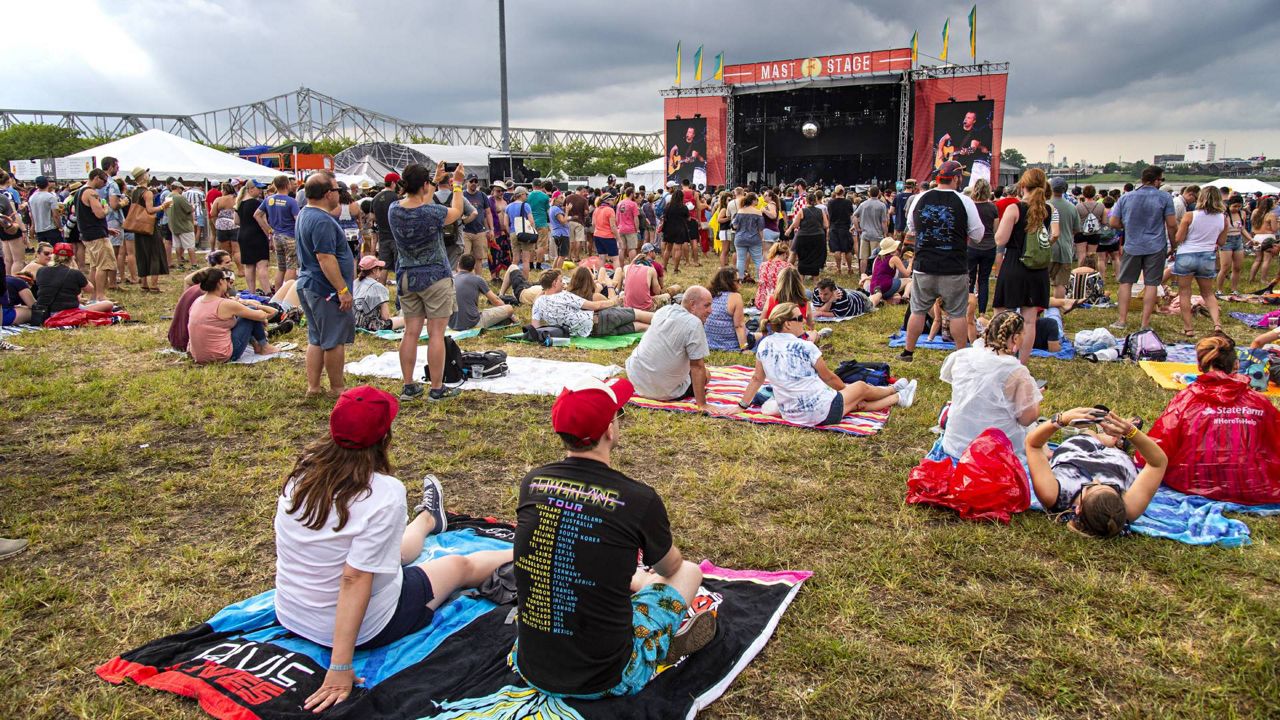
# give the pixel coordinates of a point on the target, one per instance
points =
(527, 376)
(835, 319)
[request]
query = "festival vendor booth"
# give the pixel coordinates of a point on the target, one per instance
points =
(168, 156)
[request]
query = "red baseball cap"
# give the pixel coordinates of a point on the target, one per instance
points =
(64, 250)
(362, 417)
(391, 177)
(950, 169)
(586, 407)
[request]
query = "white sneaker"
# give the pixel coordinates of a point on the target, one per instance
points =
(900, 383)
(824, 333)
(907, 393)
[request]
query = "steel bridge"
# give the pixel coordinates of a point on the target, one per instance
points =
(306, 116)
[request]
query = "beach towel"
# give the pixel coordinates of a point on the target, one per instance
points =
(1197, 520)
(398, 335)
(611, 342)
(1253, 320)
(1176, 375)
(1180, 353)
(525, 376)
(899, 339)
(249, 357)
(241, 664)
(725, 386)
(10, 330)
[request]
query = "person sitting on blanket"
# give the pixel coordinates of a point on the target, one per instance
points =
(515, 285)
(220, 328)
(44, 256)
(1090, 477)
(16, 301)
(343, 550)
(888, 273)
(790, 289)
(220, 259)
(584, 318)
(832, 301)
(591, 285)
(58, 287)
(283, 303)
(805, 391)
(726, 326)
(469, 287)
(669, 363)
(1266, 338)
(592, 624)
(1222, 437)
(639, 285)
(990, 388)
(370, 298)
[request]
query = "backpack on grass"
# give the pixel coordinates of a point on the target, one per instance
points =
(1144, 345)
(484, 365)
(452, 364)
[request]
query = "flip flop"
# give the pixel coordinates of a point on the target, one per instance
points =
(286, 347)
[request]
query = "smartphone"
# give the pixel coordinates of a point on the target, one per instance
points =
(1095, 418)
(450, 167)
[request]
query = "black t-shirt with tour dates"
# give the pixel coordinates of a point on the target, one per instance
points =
(580, 527)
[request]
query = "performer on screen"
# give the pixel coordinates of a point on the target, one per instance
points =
(687, 159)
(970, 146)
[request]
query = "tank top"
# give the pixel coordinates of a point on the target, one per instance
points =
(210, 336)
(91, 226)
(225, 220)
(810, 222)
(882, 274)
(636, 294)
(1202, 236)
(1234, 224)
(720, 331)
(349, 224)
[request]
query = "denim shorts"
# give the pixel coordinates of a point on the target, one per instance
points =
(1233, 243)
(1201, 264)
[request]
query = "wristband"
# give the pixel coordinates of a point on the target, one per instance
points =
(1056, 419)
(744, 405)
(344, 667)
(457, 187)
(343, 291)
(1131, 434)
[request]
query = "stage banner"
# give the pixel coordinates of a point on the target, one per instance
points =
(959, 119)
(687, 151)
(827, 66)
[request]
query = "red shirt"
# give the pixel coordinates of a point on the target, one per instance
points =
(1003, 203)
(214, 194)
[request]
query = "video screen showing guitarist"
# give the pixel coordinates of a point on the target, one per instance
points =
(687, 151)
(963, 134)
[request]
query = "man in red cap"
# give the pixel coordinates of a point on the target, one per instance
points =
(591, 623)
(943, 222)
(390, 192)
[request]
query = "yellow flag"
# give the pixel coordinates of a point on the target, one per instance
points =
(946, 39)
(915, 48)
(697, 65)
(718, 73)
(677, 62)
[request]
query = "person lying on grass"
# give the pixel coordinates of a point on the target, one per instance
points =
(343, 578)
(220, 328)
(584, 318)
(832, 301)
(591, 623)
(805, 391)
(1090, 477)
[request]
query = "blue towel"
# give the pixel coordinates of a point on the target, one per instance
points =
(1196, 520)
(1253, 320)
(1181, 353)
(246, 295)
(899, 339)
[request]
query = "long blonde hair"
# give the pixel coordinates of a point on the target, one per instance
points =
(1210, 201)
(790, 288)
(1034, 188)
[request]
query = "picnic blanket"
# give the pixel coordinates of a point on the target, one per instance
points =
(1197, 520)
(1253, 320)
(1180, 353)
(242, 664)
(526, 375)
(398, 335)
(899, 339)
(10, 330)
(1173, 375)
(611, 342)
(725, 386)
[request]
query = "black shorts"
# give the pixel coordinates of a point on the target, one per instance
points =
(412, 613)
(836, 413)
(387, 252)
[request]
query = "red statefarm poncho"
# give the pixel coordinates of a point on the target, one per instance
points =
(1223, 441)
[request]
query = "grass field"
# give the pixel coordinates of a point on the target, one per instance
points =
(147, 488)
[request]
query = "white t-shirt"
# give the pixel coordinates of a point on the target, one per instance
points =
(788, 366)
(659, 367)
(309, 562)
(563, 310)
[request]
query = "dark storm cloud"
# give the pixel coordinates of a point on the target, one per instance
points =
(1076, 66)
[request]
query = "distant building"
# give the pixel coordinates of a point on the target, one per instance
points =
(1168, 159)
(1203, 151)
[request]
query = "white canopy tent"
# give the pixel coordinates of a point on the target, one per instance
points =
(651, 174)
(170, 156)
(1245, 186)
(376, 159)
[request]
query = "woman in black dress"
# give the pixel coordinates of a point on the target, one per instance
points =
(810, 227)
(1018, 286)
(153, 261)
(675, 230)
(255, 248)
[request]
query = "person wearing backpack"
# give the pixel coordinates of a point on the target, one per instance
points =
(454, 236)
(1091, 213)
(1027, 232)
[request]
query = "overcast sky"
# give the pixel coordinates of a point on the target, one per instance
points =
(1101, 80)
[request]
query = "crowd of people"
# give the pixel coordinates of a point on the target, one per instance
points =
(601, 262)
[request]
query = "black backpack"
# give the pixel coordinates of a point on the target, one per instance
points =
(871, 373)
(452, 231)
(484, 365)
(452, 364)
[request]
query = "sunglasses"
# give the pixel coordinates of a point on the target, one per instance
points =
(46, 252)
(333, 189)
(796, 318)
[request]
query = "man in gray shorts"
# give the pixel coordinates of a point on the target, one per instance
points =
(326, 270)
(943, 222)
(1148, 219)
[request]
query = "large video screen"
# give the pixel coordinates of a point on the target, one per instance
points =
(687, 151)
(962, 131)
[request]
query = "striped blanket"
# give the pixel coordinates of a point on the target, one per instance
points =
(725, 386)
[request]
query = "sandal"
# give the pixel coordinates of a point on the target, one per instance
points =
(1189, 333)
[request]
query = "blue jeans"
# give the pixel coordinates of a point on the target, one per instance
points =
(1200, 264)
(244, 331)
(757, 256)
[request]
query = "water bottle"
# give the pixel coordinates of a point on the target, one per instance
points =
(558, 342)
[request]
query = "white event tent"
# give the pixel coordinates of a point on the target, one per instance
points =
(650, 174)
(171, 156)
(1245, 186)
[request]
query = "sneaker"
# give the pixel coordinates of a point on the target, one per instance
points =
(694, 634)
(9, 548)
(1117, 326)
(412, 391)
(907, 393)
(432, 502)
(443, 393)
(6, 345)
(825, 333)
(282, 328)
(907, 355)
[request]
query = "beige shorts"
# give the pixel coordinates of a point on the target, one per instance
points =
(476, 245)
(577, 232)
(489, 317)
(544, 234)
(529, 294)
(99, 254)
(437, 301)
(629, 241)
(1059, 273)
(184, 241)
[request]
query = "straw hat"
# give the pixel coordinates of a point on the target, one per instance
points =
(888, 246)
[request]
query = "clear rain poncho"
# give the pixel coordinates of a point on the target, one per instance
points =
(987, 391)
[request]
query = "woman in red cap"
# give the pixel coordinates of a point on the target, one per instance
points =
(343, 578)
